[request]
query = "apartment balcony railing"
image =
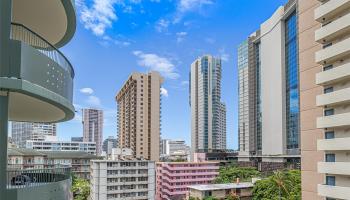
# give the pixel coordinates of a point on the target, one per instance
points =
(39, 77)
(21, 33)
(24, 178)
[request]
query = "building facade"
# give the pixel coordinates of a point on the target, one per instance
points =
(208, 113)
(23, 131)
(55, 145)
(32, 159)
(174, 147)
(77, 139)
(221, 191)
(324, 37)
(119, 179)
(269, 102)
(139, 115)
(93, 127)
(174, 177)
(109, 144)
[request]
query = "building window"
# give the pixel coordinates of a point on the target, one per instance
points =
(327, 45)
(330, 180)
(328, 67)
(329, 112)
(330, 157)
(292, 81)
(329, 135)
(328, 90)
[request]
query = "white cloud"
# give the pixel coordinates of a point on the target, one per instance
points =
(135, 1)
(93, 101)
(162, 25)
(184, 83)
(209, 40)
(223, 55)
(164, 92)
(187, 5)
(87, 91)
(98, 16)
(156, 63)
(180, 36)
(119, 41)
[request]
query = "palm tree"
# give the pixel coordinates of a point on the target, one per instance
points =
(282, 183)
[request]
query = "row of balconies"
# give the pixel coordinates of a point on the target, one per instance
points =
(335, 18)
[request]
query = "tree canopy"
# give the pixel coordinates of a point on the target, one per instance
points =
(80, 188)
(230, 174)
(284, 185)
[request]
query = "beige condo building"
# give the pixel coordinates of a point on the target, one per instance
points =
(139, 113)
(93, 127)
(324, 39)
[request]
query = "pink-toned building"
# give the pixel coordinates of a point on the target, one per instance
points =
(174, 177)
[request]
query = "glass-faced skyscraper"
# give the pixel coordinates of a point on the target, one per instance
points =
(269, 108)
(208, 113)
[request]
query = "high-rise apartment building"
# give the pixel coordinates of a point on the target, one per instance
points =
(122, 179)
(269, 91)
(93, 127)
(249, 119)
(139, 113)
(23, 131)
(208, 113)
(324, 38)
(109, 144)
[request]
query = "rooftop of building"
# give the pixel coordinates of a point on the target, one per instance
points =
(227, 186)
(182, 163)
(23, 152)
(70, 154)
(50, 154)
(122, 160)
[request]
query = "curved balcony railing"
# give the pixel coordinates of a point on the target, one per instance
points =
(22, 33)
(23, 178)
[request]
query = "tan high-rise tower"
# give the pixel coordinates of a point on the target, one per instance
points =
(324, 38)
(139, 112)
(93, 127)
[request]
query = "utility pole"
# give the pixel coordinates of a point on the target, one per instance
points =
(5, 27)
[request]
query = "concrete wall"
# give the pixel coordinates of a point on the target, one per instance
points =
(272, 85)
(53, 191)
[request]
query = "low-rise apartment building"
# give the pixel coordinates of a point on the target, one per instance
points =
(220, 191)
(54, 145)
(174, 177)
(32, 159)
(122, 179)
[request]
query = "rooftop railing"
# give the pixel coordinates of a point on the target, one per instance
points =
(23, 178)
(22, 33)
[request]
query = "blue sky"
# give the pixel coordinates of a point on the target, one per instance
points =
(117, 37)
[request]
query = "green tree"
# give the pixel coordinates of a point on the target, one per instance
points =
(230, 174)
(232, 197)
(80, 188)
(210, 198)
(282, 185)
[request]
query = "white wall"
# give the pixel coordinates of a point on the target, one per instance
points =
(272, 85)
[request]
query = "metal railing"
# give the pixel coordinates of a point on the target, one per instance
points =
(22, 33)
(22, 178)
